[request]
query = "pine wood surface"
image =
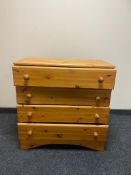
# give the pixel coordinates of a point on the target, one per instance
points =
(62, 113)
(63, 96)
(91, 136)
(64, 77)
(62, 101)
(88, 63)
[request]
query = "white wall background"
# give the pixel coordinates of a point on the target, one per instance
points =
(66, 29)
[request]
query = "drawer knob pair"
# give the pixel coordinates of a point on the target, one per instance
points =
(26, 77)
(101, 79)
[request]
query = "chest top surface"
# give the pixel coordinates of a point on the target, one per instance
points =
(72, 63)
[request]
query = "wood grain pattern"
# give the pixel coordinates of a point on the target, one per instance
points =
(88, 63)
(64, 77)
(60, 113)
(63, 101)
(63, 96)
(91, 136)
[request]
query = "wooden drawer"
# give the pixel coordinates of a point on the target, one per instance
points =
(63, 96)
(91, 136)
(59, 113)
(64, 77)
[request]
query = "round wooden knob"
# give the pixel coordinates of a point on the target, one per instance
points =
(29, 115)
(26, 77)
(95, 134)
(29, 96)
(98, 98)
(30, 133)
(97, 116)
(101, 79)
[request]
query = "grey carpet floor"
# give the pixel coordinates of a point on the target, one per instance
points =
(67, 160)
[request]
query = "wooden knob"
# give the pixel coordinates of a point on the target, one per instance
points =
(98, 98)
(26, 77)
(29, 96)
(101, 79)
(30, 133)
(29, 115)
(95, 134)
(97, 116)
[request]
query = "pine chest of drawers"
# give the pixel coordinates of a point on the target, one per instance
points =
(63, 101)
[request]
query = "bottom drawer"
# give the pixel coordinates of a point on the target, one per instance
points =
(91, 136)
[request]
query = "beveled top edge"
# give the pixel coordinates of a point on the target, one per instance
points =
(57, 62)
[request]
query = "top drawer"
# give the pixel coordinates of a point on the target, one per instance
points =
(39, 76)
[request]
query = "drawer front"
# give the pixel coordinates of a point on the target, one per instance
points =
(63, 96)
(64, 77)
(59, 113)
(31, 135)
